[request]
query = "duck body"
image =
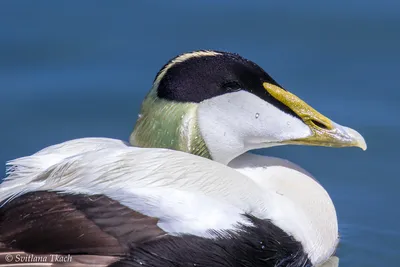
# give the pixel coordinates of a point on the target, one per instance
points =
(184, 191)
(181, 201)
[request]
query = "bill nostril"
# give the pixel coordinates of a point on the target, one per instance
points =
(320, 125)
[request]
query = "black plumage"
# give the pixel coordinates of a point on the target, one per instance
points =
(261, 245)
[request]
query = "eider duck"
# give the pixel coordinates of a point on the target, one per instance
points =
(184, 191)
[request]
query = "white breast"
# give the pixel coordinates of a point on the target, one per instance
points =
(314, 209)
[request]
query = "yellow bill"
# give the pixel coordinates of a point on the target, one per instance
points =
(324, 131)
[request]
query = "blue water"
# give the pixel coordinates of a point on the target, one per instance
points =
(72, 69)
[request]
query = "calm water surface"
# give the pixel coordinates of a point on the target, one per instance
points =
(72, 69)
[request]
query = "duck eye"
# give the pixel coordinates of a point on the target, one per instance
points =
(231, 86)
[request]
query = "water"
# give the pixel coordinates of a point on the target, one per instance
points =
(72, 69)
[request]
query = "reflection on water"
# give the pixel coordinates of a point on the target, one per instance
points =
(72, 69)
(332, 262)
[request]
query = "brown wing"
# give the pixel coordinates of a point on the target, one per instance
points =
(51, 223)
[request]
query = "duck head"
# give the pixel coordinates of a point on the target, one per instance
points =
(220, 105)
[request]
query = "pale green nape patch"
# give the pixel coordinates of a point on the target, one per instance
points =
(168, 124)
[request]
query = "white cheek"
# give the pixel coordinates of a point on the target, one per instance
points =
(241, 121)
(273, 125)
